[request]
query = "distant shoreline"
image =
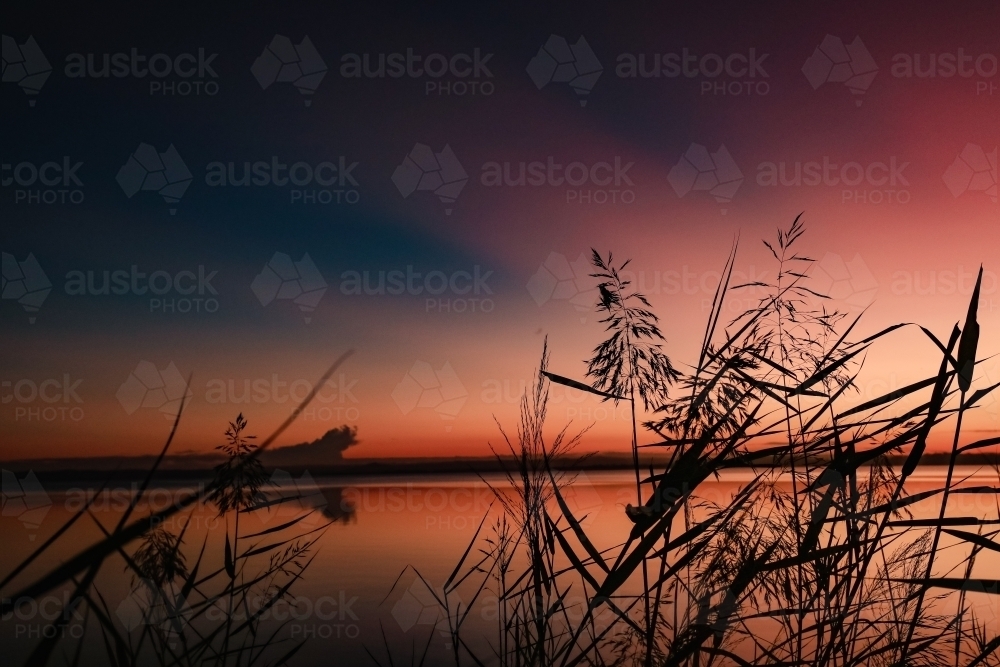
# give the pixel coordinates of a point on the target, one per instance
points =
(188, 467)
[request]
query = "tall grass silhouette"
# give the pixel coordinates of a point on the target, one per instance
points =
(826, 555)
(816, 560)
(193, 611)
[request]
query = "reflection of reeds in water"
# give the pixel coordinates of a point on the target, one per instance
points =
(339, 508)
(183, 610)
(810, 563)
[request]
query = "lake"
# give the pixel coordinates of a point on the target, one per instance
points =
(362, 589)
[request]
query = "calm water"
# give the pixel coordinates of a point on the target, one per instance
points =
(384, 527)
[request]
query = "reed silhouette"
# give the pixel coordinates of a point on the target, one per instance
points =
(192, 611)
(816, 560)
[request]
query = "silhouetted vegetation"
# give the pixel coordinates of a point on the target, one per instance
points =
(816, 560)
(820, 558)
(208, 611)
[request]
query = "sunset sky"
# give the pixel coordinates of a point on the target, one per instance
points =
(903, 238)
